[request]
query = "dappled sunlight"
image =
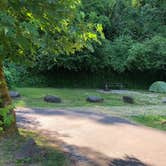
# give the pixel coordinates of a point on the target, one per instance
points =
(20, 103)
(30, 148)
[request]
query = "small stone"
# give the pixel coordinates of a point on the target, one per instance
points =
(128, 99)
(14, 94)
(94, 99)
(52, 99)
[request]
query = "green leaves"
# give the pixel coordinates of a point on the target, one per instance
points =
(7, 116)
(150, 54)
(44, 30)
(51, 26)
(3, 4)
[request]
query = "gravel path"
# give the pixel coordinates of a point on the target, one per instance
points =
(97, 139)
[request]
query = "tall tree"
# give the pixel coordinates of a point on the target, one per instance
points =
(51, 26)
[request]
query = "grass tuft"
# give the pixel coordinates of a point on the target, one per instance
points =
(155, 121)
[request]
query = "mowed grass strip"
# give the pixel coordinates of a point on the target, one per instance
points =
(155, 121)
(33, 97)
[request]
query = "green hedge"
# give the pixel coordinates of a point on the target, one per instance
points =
(20, 77)
(71, 79)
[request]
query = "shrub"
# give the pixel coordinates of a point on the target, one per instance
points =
(14, 74)
(159, 86)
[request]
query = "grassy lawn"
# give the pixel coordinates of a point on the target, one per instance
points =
(33, 97)
(52, 155)
(155, 121)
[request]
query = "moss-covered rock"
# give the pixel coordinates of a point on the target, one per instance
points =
(158, 86)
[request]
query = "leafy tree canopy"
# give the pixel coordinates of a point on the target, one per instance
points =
(135, 32)
(49, 26)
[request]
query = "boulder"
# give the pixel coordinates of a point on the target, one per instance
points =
(128, 99)
(14, 94)
(163, 122)
(94, 99)
(28, 150)
(159, 86)
(164, 100)
(52, 99)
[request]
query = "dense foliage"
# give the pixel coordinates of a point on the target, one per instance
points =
(158, 86)
(135, 37)
(49, 27)
(134, 45)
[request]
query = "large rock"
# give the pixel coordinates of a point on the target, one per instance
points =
(28, 150)
(52, 99)
(159, 86)
(14, 94)
(94, 99)
(128, 99)
(164, 100)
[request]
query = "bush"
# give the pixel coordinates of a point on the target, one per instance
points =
(14, 74)
(119, 52)
(148, 55)
(159, 86)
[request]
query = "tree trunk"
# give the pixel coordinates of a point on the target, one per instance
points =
(5, 100)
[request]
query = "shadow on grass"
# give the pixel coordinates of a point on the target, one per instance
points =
(50, 155)
(46, 156)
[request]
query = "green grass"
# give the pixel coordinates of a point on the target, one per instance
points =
(33, 97)
(155, 121)
(9, 146)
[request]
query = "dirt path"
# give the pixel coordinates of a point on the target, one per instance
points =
(95, 139)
